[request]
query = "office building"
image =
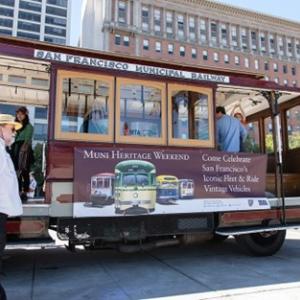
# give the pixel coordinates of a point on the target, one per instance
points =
(44, 20)
(196, 32)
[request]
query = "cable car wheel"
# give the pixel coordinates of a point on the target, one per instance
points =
(261, 243)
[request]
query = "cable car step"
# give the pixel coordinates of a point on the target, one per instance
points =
(256, 229)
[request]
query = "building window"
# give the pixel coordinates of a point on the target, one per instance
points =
(262, 42)
(6, 12)
(192, 31)
(146, 44)
(294, 83)
(145, 18)
(234, 42)
(275, 67)
(247, 65)
(5, 31)
(40, 82)
(55, 31)
(266, 65)
(244, 38)
(170, 48)
(272, 44)
(117, 39)
(6, 23)
(293, 71)
(203, 31)
(298, 48)
(280, 45)
(285, 82)
(126, 40)
(226, 58)
(216, 56)
(157, 21)
(17, 79)
(30, 6)
(180, 27)
(194, 53)
(182, 51)
(267, 78)
(40, 131)
(289, 47)
(213, 33)
(41, 112)
(56, 21)
(205, 55)
(28, 35)
(122, 11)
(237, 60)
(284, 69)
(224, 35)
(253, 40)
(256, 64)
(29, 26)
(276, 80)
(8, 2)
(56, 11)
(63, 3)
(169, 24)
(158, 46)
(55, 40)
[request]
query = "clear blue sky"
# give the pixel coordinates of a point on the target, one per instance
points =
(288, 9)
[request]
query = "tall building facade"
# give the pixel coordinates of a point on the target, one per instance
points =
(196, 32)
(44, 20)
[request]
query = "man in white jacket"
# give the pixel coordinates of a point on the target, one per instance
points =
(10, 202)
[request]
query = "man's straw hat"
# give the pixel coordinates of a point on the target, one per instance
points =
(10, 120)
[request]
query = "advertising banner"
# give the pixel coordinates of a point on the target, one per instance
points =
(134, 181)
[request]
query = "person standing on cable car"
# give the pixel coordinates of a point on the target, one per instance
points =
(10, 202)
(230, 132)
(21, 151)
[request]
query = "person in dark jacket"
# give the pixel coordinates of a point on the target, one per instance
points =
(21, 151)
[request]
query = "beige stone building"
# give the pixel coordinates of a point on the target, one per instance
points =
(195, 32)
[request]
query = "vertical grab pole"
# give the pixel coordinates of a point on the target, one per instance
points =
(273, 98)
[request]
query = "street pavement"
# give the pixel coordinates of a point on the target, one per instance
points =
(205, 271)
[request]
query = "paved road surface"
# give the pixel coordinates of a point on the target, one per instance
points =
(206, 271)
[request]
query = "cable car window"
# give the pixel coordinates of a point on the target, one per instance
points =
(140, 111)
(252, 140)
(268, 135)
(293, 127)
(190, 115)
(85, 106)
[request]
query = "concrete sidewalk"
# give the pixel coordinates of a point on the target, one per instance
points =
(206, 271)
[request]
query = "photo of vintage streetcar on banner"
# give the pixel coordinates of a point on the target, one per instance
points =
(102, 189)
(135, 188)
(126, 149)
